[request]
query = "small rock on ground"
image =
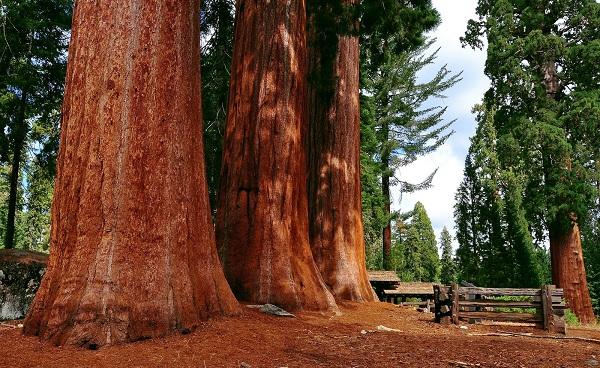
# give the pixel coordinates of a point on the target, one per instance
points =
(592, 363)
(272, 309)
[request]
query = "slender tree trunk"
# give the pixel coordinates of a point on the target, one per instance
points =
(335, 213)
(385, 188)
(18, 147)
(568, 272)
(133, 253)
(262, 218)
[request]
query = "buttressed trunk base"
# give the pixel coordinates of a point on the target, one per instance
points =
(568, 272)
(133, 252)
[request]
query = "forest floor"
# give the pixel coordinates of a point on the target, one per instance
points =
(350, 339)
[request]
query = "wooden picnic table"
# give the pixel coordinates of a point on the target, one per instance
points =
(383, 280)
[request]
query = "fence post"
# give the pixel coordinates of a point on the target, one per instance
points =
(547, 308)
(455, 304)
(436, 302)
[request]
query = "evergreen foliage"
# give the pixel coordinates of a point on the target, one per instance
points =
(542, 62)
(399, 124)
(495, 246)
(591, 248)
(217, 27)
(420, 259)
(447, 263)
(32, 71)
(416, 254)
(536, 59)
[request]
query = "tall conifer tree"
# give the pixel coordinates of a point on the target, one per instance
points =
(541, 59)
(394, 112)
(447, 263)
(419, 248)
(334, 191)
(32, 72)
(217, 27)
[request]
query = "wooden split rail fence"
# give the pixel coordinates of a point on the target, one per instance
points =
(544, 307)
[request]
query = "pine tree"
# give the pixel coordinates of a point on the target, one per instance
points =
(447, 263)
(520, 253)
(32, 71)
(419, 246)
(384, 35)
(404, 128)
(478, 210)
(495, 246)
(541, 60)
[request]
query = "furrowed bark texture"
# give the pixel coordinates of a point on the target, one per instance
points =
(262, 218)
(133, 252)
(335, 214)
(568, 272)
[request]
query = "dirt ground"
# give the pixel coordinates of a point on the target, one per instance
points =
(351, 339)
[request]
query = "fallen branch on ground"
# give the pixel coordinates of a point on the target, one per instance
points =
(463, 364)
(510, 334)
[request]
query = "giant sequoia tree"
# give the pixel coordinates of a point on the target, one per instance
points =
(132, 244)
(262, 217)
(336, 229)
(541, 59)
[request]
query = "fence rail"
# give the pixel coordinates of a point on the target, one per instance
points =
(545, 307)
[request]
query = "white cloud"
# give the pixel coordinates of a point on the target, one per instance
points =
(439, 200)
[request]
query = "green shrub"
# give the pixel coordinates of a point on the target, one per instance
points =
(571, 319)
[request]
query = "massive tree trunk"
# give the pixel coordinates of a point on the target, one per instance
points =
(568, 272)
(19, 137)
(335, 215)
(262, 217)
(133, 253)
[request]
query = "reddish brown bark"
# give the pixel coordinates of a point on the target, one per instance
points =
(132, 244)
(568, 272)
(335, 215)
(262, 217)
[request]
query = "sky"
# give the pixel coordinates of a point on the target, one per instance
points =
(460, 99)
